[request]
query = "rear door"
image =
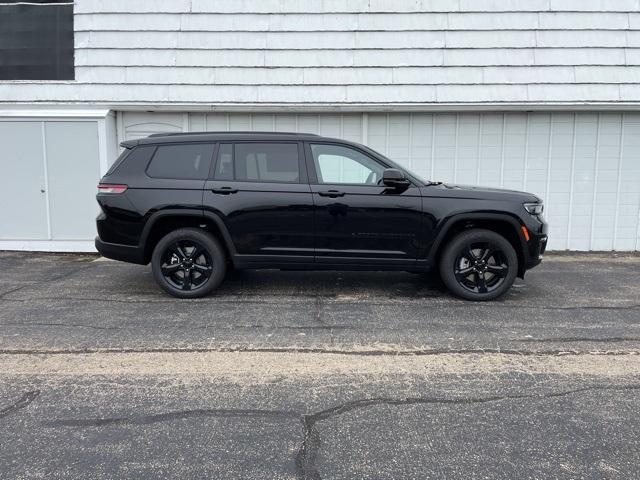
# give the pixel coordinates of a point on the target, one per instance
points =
(357, 219)
(261, 192)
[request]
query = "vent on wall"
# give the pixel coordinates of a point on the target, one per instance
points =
(36, 40)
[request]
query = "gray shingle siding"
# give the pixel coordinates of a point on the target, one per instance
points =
(365, 52)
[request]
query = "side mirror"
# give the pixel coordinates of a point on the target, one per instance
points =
(394, 178)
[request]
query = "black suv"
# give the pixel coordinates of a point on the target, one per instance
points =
(197, 204)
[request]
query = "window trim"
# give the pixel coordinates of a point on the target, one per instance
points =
(303, 178)
(157, 148)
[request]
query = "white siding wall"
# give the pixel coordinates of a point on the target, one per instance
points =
(349, 52)
(584, 165)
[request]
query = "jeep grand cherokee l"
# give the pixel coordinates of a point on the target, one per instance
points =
(197, 204)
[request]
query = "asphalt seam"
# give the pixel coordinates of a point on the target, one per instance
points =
(321, 326)
(391, 353)
(331, 297)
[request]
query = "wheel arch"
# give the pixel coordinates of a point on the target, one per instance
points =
(502, 223)
(164, 221)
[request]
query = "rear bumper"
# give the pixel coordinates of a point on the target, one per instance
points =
(124, 253)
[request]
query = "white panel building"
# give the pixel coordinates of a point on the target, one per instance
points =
(536, 95)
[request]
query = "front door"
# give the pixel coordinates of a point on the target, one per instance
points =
(357, 219)
(260, 191)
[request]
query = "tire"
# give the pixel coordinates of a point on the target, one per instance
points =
(188, 263)
(478, 265)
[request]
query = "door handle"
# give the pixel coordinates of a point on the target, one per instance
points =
(224, 190)
(331, 193)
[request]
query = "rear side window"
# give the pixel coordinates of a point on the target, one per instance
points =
(258, 162)
(118, 161)
(186, 161)
(132, 161)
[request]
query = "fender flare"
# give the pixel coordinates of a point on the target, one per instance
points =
(447, 224)
(186, 212)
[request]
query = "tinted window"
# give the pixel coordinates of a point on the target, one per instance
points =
(132, 161)
(118, 161)
(337, 164)
(188, 161)
(258, 162)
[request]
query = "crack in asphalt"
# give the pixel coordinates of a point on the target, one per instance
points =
(22, 402)
(164, 417)
(43, 282)
(52, 324)
(307, 454)
(391, 353)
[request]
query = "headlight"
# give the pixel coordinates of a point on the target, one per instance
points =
(534, 208)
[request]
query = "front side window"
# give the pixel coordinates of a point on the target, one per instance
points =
(339, 164)
(258, 162)
(186, 161)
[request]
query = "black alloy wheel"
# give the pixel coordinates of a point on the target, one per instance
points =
(188, 263)
(479, 265)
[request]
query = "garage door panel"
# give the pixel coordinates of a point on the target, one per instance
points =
(23, 207)
(73, 173)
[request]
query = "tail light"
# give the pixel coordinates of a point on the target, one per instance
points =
(108, 188)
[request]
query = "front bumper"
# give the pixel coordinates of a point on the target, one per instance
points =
(537, 247)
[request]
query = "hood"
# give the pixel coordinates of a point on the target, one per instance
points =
(486, 193)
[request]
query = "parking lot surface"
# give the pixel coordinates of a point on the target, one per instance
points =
(318, 374)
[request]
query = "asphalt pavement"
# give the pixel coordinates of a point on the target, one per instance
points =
(314, 375)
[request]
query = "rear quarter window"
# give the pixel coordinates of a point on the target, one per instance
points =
(186, 161)
(118, 161)
(132, 161)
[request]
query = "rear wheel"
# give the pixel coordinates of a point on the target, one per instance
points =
(188, 263)
(479, 265)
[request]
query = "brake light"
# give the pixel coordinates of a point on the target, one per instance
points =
(525, 232)
(107, 188)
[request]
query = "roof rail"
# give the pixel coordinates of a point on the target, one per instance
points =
(170, 134)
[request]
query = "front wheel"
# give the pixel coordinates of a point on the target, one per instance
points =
(188, 263)
(479, 265)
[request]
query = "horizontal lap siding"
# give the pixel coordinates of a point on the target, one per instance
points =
(350, 51)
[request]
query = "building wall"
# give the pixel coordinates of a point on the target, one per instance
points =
(350, 54)
(540, 95)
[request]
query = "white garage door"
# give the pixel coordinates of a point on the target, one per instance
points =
(586, 166)
(48, 184)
